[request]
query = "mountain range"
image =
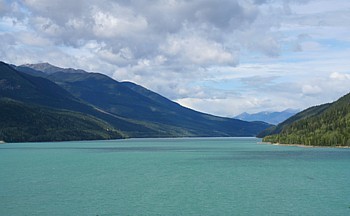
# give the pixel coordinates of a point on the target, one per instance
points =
(322, 125)
(266, 116)
(97, 107)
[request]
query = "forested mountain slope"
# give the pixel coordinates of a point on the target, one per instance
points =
(324, 125)
(50, 98)
(136, 103)
(22, 122)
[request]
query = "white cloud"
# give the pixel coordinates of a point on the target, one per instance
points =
(108, 25)
(311, 89)
(339, 76)
(196, 50)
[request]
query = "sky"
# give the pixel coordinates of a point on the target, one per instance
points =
(220, 57)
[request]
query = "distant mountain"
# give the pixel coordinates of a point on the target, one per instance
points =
(136, 104)
(323, 125)
(269, 117)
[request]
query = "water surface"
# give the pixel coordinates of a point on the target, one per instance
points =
(209, 176)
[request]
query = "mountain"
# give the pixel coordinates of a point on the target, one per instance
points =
(39, 91)
(26, 115)
(269, 117)
(47, 68)
(191, 119)
(23, 122)
(139, 105)
(323, 125)
(42, 101)
(312, 111)
(36, 90)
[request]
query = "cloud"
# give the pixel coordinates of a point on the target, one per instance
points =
(108, 25)
(220, 58)
(339, 76)
(311, 89)
(196, 50)
(3, 7)
(258, 81)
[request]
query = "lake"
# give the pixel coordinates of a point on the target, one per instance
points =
(186, 176)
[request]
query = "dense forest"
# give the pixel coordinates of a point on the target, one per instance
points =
(330, 126)
(31, 123)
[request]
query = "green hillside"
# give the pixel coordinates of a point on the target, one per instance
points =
(21, 122)
(324, 125)
(312, 111)
(43, 93)
(36, 90)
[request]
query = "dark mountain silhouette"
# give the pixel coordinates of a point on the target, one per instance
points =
(135, 102)
(128, 109)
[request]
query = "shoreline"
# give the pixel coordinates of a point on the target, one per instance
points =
(303, 146)
(128, 138)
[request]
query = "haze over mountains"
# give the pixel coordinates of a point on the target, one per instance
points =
(122, 109)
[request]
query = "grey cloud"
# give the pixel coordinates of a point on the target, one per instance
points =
(172, 15)
(143, 27)
(78, 17)
(7, 40)
(168, 46)
(227, 14)
(58, 11)
(261, 1)
(3, 7)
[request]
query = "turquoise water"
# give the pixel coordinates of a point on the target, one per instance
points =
(223, 176)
